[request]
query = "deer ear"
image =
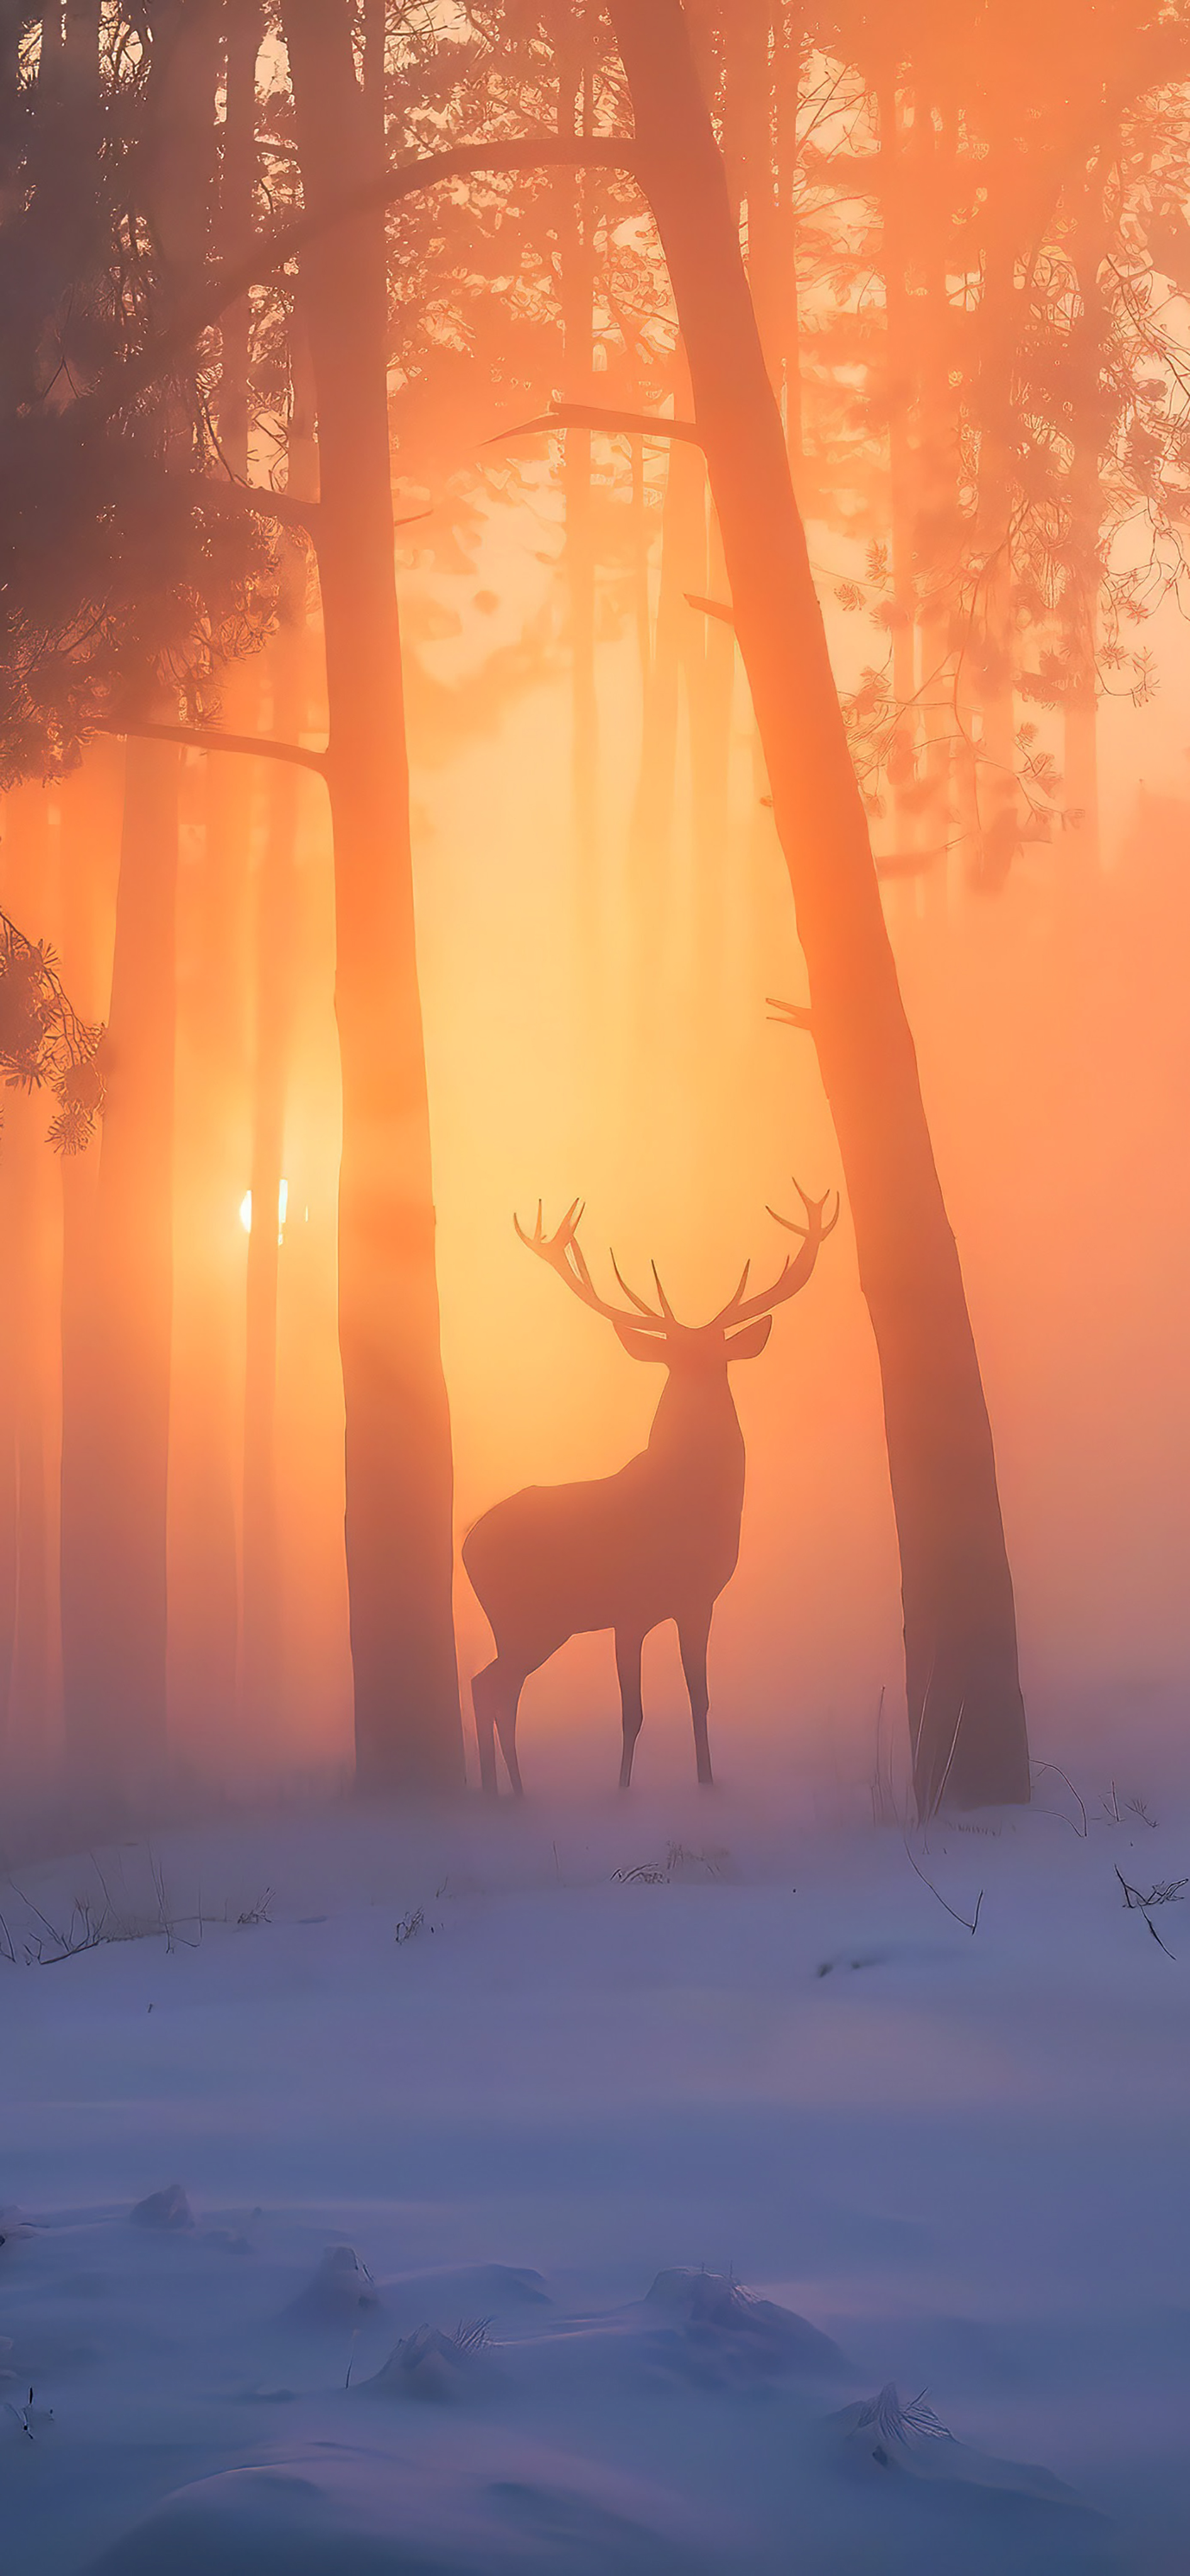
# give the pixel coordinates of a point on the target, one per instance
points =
(749, 1344)
(641, 1346)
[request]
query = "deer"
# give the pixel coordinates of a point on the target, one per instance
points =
(658, 1540)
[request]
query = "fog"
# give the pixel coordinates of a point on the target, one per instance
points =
(1053, 1044)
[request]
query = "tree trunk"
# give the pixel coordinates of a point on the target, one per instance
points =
(576, 289)
(115, 1451)
(651, 830)
(398, 1451)
(938, 495)
(8, 1519)
(789, 42)
(237, 206)
(92, 804)
(204, 1533)
(115, 1446)
(28, 1229)
(276, 900)
(275, 961)
(1084, 580)
(212, 1171)
(261, 1676)
(965, 1709)
(900, 387)
(80, 48)
(29, 1213)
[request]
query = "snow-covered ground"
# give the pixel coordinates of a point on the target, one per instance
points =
(636, 2090)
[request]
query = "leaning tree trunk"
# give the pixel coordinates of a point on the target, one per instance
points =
(398, 1455)
(965, 1709)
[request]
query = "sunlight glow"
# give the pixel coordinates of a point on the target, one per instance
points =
(282, 1210)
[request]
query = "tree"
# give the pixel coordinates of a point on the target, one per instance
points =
(398, 1453)
(965, 1707)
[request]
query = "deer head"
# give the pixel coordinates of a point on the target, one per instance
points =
(739, 1331)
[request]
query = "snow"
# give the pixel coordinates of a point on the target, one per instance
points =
(684, 2189)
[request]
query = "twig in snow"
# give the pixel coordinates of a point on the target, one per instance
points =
(23, 2415)
(935, 1806)
(85, 1931)
(258, 1913)
(973, 1925)
(884, 1805)
(168, 1922)
(661, 1873)
(1056, 1811)
(472, 2334)
(1170, 1893)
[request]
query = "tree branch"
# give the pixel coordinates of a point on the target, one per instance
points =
(617, 424)
(303, 517)
(257, 746)
(712, 608)
(790, 1015)
(235, 277)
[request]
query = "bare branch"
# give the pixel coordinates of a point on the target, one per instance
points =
(712, 608)
(790, 1015)
(303, 517)
(257, 746)
(616, 424)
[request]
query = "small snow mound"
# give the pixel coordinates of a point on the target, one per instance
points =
(723, 2332)
(340, 2293)
(430, 2364)
(882, 2438)
(163, 2209)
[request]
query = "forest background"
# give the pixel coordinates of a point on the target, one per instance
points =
(967, 246)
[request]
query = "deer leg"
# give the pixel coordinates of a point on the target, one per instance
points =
(628, 1654)
(508, 1683)
(482, 1689)
(693, 1634)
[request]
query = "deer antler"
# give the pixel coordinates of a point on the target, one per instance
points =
(741, 1309)
(564, 1254)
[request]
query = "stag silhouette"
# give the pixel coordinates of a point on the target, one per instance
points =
(658, 1540)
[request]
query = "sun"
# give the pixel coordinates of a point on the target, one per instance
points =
(282, 1210)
